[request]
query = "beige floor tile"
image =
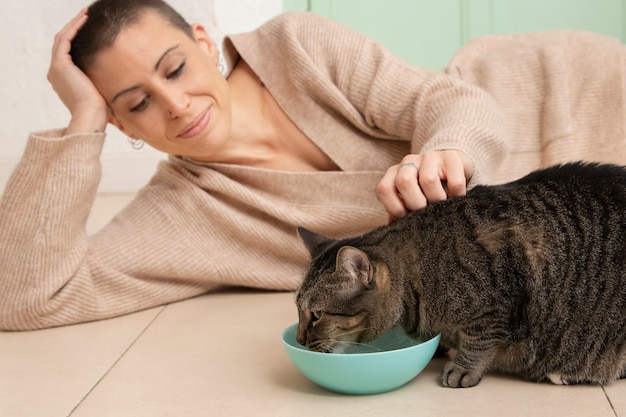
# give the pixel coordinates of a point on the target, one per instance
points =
(48, 372)
(221, 355)
(499, 395)
(617, 395)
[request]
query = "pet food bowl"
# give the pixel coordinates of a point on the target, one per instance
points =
(382, 365)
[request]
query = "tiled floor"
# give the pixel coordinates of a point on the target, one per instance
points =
(221, 355)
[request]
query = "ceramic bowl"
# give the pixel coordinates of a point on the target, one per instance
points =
(382, 365)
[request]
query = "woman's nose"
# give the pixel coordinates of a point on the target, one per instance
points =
(176, 103)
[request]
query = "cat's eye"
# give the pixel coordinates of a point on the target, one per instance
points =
(317, 314)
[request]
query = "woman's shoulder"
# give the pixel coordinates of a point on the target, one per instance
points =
(297, 19)
(307, 27)
(295, 39)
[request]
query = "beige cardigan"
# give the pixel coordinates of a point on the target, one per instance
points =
(196, 227)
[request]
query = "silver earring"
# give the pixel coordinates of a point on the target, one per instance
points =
(135, 143)
(221, 64)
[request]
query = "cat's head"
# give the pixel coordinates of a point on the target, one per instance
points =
(344, 298)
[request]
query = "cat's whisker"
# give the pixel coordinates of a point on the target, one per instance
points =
(353, 344)
(352, 331)
(338, 341)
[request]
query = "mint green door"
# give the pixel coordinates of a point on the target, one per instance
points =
(425, 32)
(428, 32)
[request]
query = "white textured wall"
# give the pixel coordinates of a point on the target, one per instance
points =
(28, 103)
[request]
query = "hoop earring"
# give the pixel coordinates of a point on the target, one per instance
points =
(221, 64)
(135, 143)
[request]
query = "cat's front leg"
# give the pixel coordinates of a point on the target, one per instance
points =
(467, 368)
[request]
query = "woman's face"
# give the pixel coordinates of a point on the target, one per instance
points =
(165, 88)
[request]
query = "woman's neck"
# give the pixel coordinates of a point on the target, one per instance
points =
(263, 133)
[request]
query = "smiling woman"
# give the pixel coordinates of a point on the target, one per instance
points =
(308, 127)
(165, 87)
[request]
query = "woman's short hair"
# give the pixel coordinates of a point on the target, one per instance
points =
(108, 17)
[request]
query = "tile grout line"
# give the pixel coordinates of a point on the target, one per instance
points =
(606, 395)
(104, 375)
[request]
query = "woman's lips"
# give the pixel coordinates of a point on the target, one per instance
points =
(197, 125)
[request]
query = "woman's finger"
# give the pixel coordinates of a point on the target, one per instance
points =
(407, 183)
(63, 39)
(454, 173)
(430, 178)
(388, 194)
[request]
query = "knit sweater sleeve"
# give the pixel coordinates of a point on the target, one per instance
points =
(51, 272)
(43, 212)
(433, 110)
(365, 85)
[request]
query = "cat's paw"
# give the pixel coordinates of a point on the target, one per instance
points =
(456, 376)
(557, 379)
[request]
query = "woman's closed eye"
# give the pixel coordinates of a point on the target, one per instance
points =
(177, 72)
(140, 106)
(170, 76)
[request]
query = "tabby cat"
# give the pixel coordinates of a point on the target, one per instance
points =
(526, 278)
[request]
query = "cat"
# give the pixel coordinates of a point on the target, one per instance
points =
(526, 278)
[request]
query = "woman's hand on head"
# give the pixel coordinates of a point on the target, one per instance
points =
(425, 178)
(88, 108)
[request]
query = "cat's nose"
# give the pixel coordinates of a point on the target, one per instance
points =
(300, 336)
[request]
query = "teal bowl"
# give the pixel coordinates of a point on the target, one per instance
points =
(382, 365)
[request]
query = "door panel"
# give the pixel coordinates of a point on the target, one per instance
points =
(428, 32)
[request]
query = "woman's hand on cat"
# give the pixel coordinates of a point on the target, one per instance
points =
(425, 178)
(88, 108)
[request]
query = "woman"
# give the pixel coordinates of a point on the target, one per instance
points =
(310, 125)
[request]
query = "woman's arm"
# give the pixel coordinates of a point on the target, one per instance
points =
(52, 273)
(43, 213)
(457, 132)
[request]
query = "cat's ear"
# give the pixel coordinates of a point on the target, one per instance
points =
(357, 265)
(313, 241)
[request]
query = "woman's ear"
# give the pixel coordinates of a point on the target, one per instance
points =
(113, 120)
(204, 40)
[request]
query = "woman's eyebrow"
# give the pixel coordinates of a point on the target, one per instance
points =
(156, 68)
